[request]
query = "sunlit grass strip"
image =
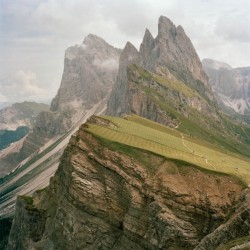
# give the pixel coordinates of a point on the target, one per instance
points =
(140, 133)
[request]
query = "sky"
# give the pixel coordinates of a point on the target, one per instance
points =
(35, 33)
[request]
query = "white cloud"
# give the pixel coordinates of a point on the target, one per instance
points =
(23, 86)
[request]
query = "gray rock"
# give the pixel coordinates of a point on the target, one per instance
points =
(118, 102)
(231, 85)
(170, 55)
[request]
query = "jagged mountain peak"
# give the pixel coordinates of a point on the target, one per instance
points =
(165, 24)
(176, 51)
(147, 35)
(94, 40)
(129, 55)
(147, 45)
(118, 101)
(129, 47)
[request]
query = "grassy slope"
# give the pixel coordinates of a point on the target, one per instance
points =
(224, 134)
(141, 133)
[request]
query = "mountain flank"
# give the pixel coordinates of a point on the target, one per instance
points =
(231, 85)
(109, 195)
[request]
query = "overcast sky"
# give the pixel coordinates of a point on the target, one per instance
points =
(35, 33)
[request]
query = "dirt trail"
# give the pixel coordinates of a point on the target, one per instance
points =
(192, 151)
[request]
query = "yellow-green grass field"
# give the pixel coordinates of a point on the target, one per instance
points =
(144, 134)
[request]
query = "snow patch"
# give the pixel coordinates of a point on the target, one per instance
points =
(238, 105)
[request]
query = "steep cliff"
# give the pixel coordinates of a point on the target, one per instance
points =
(165, 82)
(231, 85)
(90, 71)
(170, 55)
(106, 195)
(118, 102)
(173, 51)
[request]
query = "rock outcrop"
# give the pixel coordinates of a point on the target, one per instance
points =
(90, 71)
(231, 85)
(174, 50)
(170, 55)
(101, 198)
(118, 103)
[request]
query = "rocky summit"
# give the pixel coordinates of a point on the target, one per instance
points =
(171, 55)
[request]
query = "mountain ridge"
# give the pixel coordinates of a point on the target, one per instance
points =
(232, 85)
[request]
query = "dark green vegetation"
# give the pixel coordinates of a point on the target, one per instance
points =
(8, 136)
(5, 225)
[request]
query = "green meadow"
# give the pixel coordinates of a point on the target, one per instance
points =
(138, 132)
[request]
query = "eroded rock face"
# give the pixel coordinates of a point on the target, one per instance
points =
(102, 198)
(90, 71)
(170, 55)
(175, 50)
(118, 102)
(231, 85)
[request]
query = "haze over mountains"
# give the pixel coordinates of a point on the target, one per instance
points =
(110, 190)
(231, 85)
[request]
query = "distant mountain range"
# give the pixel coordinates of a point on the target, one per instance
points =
(20, 114)
(230, 85)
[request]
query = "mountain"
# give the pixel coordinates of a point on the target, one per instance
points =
(20, 114)
(90, 71)
(130, 183)
(89, 74)
(231, 85)
(165, 82)
(166, 169)
(170, 55)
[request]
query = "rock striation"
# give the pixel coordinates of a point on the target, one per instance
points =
(231, 85)
(101, 198)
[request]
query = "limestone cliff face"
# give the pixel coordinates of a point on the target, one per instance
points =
(174, 50)
(170, 55)
(118, 101)
(231, 85)
(101, 198)
(90, 71)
